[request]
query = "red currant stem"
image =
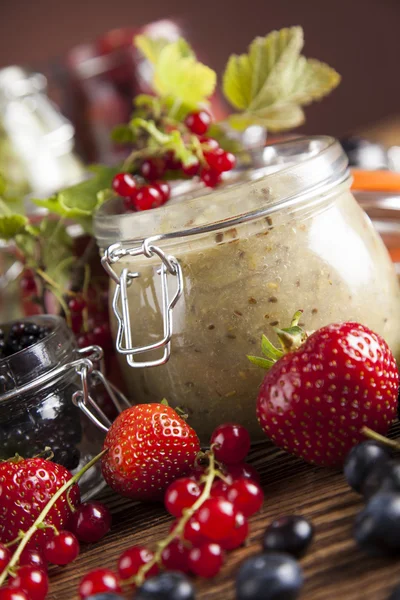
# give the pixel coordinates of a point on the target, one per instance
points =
(370, 433)
(53, 284)
(48, 526)
(198, 149)
(36, 525)
(175, 108)
(71, 506)
(85, 288)
(64, 306)
(15, 541)
(212, 472)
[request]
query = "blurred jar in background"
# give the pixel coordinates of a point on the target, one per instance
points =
(105, 76)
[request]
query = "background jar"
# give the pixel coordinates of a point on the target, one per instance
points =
(37, 386)
(286, 235)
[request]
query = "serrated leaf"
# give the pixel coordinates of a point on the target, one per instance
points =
(264, 363)
(11, 225)
(152, 47)
(272, 81)
(183, 77)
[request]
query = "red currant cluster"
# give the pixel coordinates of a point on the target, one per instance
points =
(89, 523)
(210, 162)
(90, 319)
(211, 507)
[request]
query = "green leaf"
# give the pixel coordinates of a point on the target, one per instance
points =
(182, 76)
(153, 47)
(269, 350)
(273, 81)
(123, 134)
(3, 185)
(80, 200)
(11, 225)
(264, 363)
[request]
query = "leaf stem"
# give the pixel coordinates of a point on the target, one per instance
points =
(36, 525)
(373, 435)
(212, 472)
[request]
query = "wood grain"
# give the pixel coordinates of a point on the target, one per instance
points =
(334, 567)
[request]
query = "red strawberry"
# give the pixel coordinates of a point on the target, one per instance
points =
(149, 447)
(26, 486)
(315, 400)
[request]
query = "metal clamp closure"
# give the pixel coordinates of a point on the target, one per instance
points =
(170, 267)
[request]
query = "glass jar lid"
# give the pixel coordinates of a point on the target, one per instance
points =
(285, 175)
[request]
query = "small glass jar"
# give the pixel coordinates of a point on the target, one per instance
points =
(47, 401)
(197, 282)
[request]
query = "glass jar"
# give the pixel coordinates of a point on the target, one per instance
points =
(197, 282)
(47, 401)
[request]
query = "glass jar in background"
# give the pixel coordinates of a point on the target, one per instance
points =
(43, 404)
(197, 282)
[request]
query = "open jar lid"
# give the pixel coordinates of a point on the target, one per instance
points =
(270, 179)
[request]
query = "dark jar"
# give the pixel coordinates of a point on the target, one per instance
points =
(49, 401)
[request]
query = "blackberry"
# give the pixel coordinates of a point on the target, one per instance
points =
(23, 335)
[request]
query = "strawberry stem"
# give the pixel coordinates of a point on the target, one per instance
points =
(39, 521)
(212, 473)
(370, 433)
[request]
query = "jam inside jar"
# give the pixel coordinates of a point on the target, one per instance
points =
(197, 282)
(37, 412)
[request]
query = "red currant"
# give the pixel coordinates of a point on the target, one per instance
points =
(206, 560)
(197, 472)
(209, 144)
(28, 284)
(198, 122)
(231, 443)
(62, 548)
(77, 304)
(219, 489)
(153, 168)
(98, 581)
(240, 470)
(175, 557)
(124, 185)
(147, 197)
(12, 594)
(238, 535)
(132, 559)
(246, 496)
(33, 581)
(76, 322)
(85, 340)
(210, 177)
(5, 556)
(164, 188)
(216, 517)
(192, 169)
(129, 204)
(34, 558)
(172, 162)
(192, 532)
(102, 336)
(181, 494)
(219, 160)
(90, 522)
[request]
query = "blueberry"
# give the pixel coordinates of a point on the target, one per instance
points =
(382, 478)
(288, 534)
(395, 595)
(377, 526)
(270, 576)
(361, 460)
(105, 596)
(166, 586)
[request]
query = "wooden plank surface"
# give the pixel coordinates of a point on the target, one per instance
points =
(334, 567)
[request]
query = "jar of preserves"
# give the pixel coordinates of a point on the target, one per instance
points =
(197, 282)
(49, 397)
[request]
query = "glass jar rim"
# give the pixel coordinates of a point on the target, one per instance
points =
(282, 175)
(55, 349)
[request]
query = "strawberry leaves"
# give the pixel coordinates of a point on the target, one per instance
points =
(273, 81)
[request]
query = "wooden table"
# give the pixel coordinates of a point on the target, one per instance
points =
(334, 567)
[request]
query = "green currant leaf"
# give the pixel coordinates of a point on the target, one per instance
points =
(11, 225)
(153, 47)
(182, 77)
(273, 81)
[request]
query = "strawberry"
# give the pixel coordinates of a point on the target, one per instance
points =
(315, 400)
(149, 446)
(26, 485)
